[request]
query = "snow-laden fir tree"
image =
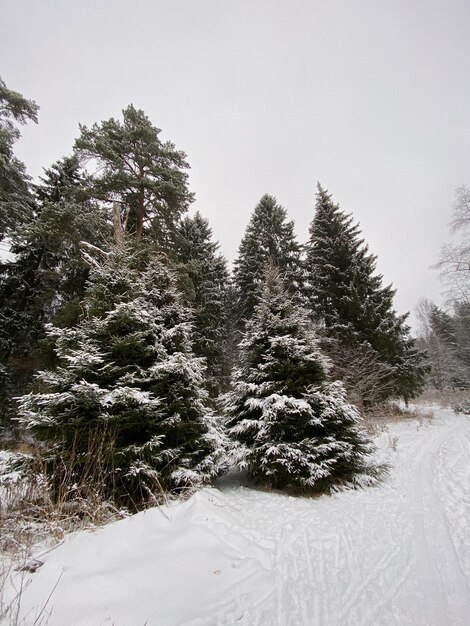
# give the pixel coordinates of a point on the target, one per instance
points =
(268, 238)
(294, 429)
(127, 376)
(204, 279)
(347, 297)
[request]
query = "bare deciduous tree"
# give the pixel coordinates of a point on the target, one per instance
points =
(367, 380)
(454, 261)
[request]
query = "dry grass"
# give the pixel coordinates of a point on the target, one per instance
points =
(378, 419)
(445, 398)
(36, 513)
(43, 496)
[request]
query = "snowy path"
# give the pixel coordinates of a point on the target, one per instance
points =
(398, 554)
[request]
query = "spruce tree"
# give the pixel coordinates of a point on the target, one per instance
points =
(268, 238)
(204, 278)
(347, 297)
(46, 279)
(136, 172)
(294, 429)
(127, 376)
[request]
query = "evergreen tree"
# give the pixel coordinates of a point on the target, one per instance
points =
(46, 279)
(445, 337)
(347, 297)
(137, 173)
(205, 279)
(295, 430)
(127, 376)
(461, 337)
(269, 238)
(447, 370)
(16, 202)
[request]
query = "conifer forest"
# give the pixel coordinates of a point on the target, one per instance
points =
(139, 369)
(123, 328)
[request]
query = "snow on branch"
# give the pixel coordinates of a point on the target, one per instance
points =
(89, 252)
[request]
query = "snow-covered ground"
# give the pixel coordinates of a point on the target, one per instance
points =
(394, 554)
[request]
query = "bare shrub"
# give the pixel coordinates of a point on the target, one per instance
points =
(366, 379)
(386, 413)
(445, 398)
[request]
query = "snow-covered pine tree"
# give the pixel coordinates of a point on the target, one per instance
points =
(205, 279)
(126, 376)
(294, 429)
(348, 298)
(269, 237)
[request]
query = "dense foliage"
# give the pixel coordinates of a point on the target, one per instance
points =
(16, 202)
(120, 324)
(46, 280)
(347, 296)
(127, 388)
(295, 430)
(446, 339)
(269, 237)
(204, 278)
(137, 173)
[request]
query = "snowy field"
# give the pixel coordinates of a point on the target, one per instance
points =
(395, 554)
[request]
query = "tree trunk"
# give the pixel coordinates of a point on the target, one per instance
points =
(139, 226)
(117, 224)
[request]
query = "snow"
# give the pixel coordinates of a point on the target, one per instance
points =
(394, 554)
(8, 475)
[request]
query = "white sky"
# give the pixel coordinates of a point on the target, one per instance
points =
(370, 97)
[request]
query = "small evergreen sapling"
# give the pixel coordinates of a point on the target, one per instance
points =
(126, 373)
(293, 429)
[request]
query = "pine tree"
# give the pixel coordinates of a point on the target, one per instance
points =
(205, 278)
(295, 430)
(268, 238)
(16, 201)
(138, 173)
(127, 376)
(348, 298)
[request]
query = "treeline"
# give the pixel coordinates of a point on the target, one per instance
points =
(445, 333)
(124, 335)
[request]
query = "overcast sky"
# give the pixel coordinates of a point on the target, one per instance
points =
(370, 97)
